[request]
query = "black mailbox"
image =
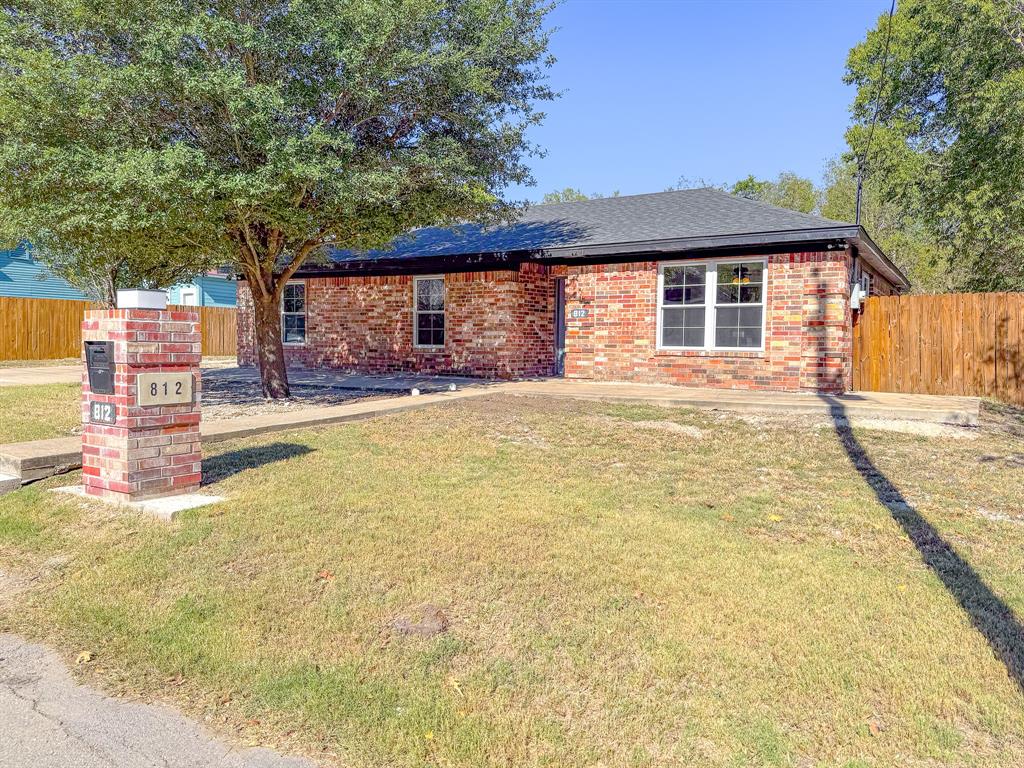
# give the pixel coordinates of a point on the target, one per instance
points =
(99, 362)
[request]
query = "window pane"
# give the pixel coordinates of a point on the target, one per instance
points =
(749, 337)
(294, 298)
(750, 294)
(750, 316)
(430, 294)
(672, 317)
(741, 273)
(726, 337)
(693, 294)
(690, 274)
(673, 337)
(728, 294)
(294, 329)
(728, 274)
(430, 329)
(738, 326)
(682, 327)
(673, 295)
(695, 274)
(675, 275)
(753, 271)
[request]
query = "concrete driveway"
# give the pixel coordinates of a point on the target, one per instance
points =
(40, 374)
(71, 373)
(49, 721)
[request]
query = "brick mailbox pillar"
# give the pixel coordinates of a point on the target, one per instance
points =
(140, 403)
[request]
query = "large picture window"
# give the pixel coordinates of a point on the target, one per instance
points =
(712, 305)
(293, 313)
(428, 311)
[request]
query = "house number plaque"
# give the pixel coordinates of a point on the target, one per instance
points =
(164, 388)
(102, 413)
(578, 314)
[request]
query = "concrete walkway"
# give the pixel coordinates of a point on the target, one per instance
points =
(965, 411)
(25, 462)
(50, 721)
(28, 375)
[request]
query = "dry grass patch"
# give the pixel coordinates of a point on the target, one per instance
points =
(615, 593)
(39, 411)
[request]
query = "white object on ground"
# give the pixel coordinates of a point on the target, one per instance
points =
(414, 391)
(165, 508)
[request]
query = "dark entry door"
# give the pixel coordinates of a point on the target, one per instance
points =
(559, 326)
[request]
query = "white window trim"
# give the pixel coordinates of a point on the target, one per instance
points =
(305, 313)
(416, 312)
(711, 303)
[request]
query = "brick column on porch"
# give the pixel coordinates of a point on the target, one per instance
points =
(149, 450)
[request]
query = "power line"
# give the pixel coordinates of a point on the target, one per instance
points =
(874, 119)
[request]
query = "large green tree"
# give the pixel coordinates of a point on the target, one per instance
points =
(908, 241)
(948, 146)
(263, 132)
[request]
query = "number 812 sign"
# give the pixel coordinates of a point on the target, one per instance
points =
(164, 388)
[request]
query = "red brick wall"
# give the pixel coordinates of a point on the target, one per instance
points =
(807, 329)
(498, 324)
(150, 450)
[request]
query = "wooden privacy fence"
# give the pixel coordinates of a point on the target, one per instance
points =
(945, 344)
(51, 329)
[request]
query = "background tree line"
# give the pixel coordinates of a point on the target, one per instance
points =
(944, 171)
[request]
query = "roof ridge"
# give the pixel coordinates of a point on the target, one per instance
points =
(623, 197)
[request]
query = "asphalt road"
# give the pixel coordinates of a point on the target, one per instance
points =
(47, 720)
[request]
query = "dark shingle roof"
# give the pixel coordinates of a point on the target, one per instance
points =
(593, 227)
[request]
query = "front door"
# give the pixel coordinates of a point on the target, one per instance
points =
(560, 326)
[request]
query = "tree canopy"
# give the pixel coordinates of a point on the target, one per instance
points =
(948, 148)
(788, 191)
(572, 195)
(260, 132)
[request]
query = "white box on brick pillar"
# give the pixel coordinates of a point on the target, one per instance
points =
(141, 403)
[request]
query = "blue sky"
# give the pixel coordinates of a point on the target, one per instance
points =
(658, 89)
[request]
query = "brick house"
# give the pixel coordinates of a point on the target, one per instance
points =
(693, 287)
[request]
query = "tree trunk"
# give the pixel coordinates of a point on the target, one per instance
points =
(269, 349)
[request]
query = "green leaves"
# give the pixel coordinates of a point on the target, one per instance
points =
(949, 147)
(258, 131)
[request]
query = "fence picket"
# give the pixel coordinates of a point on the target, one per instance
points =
(51, 329)
(953, 344)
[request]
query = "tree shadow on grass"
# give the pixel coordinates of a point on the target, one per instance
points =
(223, 465)
(993, 618)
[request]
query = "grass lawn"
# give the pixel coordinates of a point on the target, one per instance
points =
(625, 587)
(38, 412)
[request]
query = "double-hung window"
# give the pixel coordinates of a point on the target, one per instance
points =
(712, 305)
(428, 311)
(293, 313)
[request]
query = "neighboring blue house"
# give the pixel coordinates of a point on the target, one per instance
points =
(23, 276)
(209, 290)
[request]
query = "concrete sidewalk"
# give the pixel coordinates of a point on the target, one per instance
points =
(939, 409)
(25, 462)
(50, 721)
(29, 375)
(22, 463)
